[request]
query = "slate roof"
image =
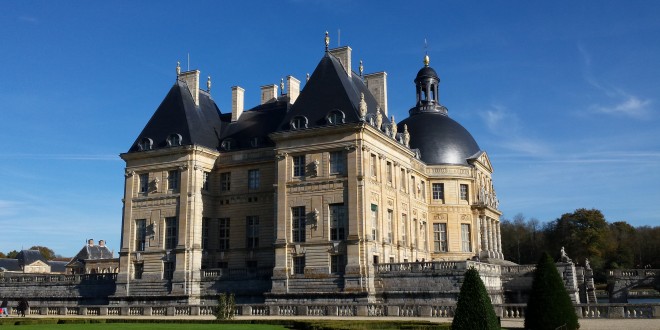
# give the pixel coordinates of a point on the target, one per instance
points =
(330, 88)
(178, 114)
(9, 265)
(93, 252)
(57, 266)
(27, 257)
(253, 126)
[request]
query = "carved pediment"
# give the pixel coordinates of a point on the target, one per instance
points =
(482, 158)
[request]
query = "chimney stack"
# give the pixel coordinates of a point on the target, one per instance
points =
(237, 94)
(344, 56)
(90, 242)
(268, 93)
(101, 243)
(191, 78)
(377, 85)
(293, 88)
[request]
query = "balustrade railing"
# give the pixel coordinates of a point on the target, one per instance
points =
(40, 278)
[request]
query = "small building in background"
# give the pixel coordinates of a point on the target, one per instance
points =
(93, 259)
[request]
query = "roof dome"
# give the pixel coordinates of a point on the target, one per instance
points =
(440, 139)
(426, 72)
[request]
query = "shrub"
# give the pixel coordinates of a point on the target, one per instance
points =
(474, 309)
(226, 307)
(549, 306)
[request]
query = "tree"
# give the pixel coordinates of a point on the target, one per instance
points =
(12, 254)
(2, 255)
(48, 253)
(226, 307)
(549, 306)
(474, 309)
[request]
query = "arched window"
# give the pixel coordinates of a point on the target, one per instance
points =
(145, 144)
(298, 122)
(228, 144)
(335, 117)
(174, 140)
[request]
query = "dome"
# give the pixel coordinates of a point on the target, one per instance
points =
(426, 72)
(440, 139)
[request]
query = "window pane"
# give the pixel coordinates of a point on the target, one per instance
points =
(465, 238)
(337, 222)
(298, 223)
(171, 233)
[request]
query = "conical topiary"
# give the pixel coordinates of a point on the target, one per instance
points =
(549, 306)
(474, 309)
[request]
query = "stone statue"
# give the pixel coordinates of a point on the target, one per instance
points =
(587, 265)
(363, 107)
(379, 118)
(394, 128)
(156, 181)
(482, 195)
(564, 256)
(315, 166)
(406, 136)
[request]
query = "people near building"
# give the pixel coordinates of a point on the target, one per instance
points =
(23, 306)
(4, 309)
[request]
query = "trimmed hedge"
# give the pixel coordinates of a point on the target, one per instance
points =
(474, 309)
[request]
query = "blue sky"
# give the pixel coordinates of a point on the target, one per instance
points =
(563, 95)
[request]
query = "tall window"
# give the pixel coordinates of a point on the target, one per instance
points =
(299, 165)
(252, 231)
(464, 192)
(404, 229)
(388, 168)
(337, 222)
(205, 182)
(374, 166)
(390, 225)
(173, 180)
(168, 270)
(205, 232)
(402, 184)
(138, 269)
(225, 181)
(413, 186)
(465, 238)
(298, 223)
(223, 234)
(422, 186)
(438, 191)
(171, 233)
(337, 263)
(144, 182)
(440, 237)
(336, 162)
(299, 265)
(374, 222)
(140, 234)
(253, 179)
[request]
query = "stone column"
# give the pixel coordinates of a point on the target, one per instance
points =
(484, 237)
(491, 237)
(499, 241)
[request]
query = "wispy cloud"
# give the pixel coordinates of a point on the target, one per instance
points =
(28, 19)
(508, 127)
(618, 102)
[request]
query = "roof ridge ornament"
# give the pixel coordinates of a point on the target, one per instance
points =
(361, 68)
(327, 41)
(427, 60)
(363, 107)
(281, 86)
(208, 84)
(178, 68)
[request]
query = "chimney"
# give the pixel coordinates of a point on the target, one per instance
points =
(292, 88)
(101, 243)
(377, 85)
(191, 78)
(268, 93)
(344, 56)
(236, 102)
(90, 242)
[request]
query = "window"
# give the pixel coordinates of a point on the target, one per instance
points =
(298, 223)
(228, 144)
(205, 232)
(422, 187)
(138, 269)
(171, 233)
(299, 265)
(145, 144)
(337, 222)
(298, 122)
(223, 234)
(252, 231)
(144, 182)
(440, 237)
(403, 180)
(205, 181)
(140, 234)
(336, 162)
(173, 140)
(466, 246)
(389, 172)
(464, 192)
(173, 180)
(168, 270)
(404, 229)
(390, 225)
(253, 179)
(225, 181)
(413, 186)
(374, 222)
(337, 263)
(299, 165)
(374, 167)
(335, 117)
(438, 191)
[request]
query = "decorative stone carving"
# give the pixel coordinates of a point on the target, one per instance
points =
(281, 155)
(363, 107)
(379, 118)
(564, 257)
(156, 181)
(394, 129)
(129, 173)
(406, 136)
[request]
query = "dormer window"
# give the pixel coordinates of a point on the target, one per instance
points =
(255, 142)
(298, 122)
(174, 140)
(336, 117)
(228, 144)
(145, 144)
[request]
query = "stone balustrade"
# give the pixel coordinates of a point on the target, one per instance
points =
(436, 266)
(52, 278)
(506, 311)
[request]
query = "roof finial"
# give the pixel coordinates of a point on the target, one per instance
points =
(208, 84)
(281, 86)
(307, 77)
(327, 41)
(426, 60)
(178, 68)
(361, 68)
